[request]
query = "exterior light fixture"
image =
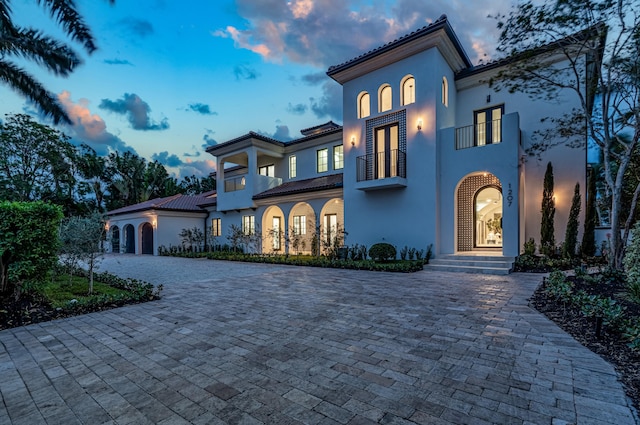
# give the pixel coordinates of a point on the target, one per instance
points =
(353, 140)
(420, 124)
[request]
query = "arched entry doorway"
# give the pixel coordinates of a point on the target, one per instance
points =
(488, 220)
(147, 238)
(129, 239)
(479, 213)
(115, 239)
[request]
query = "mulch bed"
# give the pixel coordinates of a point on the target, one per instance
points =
(33, 308)
(609, 345)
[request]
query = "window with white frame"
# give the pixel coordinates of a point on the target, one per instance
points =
(364, 105)
(445, 91)
(338, 157)
(292, 167)
(384, 98)
(267, 170)
(408, 90)
(248, 225)
(323, 160)
(277, 232)
(216, 227)
(300, 224)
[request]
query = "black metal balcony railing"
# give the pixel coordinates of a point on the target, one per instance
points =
(233, 184)
(381, 165)
(482, 134)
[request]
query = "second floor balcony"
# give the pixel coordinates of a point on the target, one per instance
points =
(381, 170)
(479, 134)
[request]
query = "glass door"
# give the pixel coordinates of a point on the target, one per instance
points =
(488, 218)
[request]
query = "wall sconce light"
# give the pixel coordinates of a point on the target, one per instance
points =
(420, 124)
(353, 140)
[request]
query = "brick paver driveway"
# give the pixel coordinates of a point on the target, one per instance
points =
(254, 343)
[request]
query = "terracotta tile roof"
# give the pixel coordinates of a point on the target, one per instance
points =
(440, 23)
(177, 202)
(300, 186)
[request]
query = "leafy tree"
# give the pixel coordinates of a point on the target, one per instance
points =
(588, 245)
(54, 55)
(36, 162)
(547, 238)
(571, 235)
(81, 239)
(92, 170)
(602, 74)
(28, 243)
(192, 185)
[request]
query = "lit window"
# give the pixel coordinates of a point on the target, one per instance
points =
(384, 103)
(445, 91)
(488, 126)
(386, 151)
(248, 225)
(292, 167)
(323, 160)
(276, 233)
(408, 90)
(300, 224)
(364, 105)
(338, 157)
(267, 170)
(216, 229)
(330, 228)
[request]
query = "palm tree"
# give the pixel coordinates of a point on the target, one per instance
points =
(54, 55)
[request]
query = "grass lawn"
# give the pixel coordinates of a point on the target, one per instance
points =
(60, 291)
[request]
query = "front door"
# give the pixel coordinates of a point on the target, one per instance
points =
(488, 218)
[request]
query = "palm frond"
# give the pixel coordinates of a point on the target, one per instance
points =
(64, 13)
(6, 24)
(31, 88)
(31, 44)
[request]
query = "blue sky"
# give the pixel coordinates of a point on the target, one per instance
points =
(171, 77)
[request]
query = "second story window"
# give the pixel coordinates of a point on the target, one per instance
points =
(384, 98)
(216, 227)
(338, 157)
(488, 124)
(248, 225)
(292, 167)
(323, 160)
(364, 105)
(408, 90)
(267, 170)
(445, 91)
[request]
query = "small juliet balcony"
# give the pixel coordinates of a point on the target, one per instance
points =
(481, 134)
(381, 170)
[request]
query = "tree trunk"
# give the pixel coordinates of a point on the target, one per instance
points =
(4, 277)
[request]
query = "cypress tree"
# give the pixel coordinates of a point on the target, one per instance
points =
(571, 236)
(547, 238)
(591, 218)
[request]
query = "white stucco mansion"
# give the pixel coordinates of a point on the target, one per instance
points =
(428, 153)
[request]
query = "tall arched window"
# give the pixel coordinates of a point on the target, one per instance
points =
(364, 105)
(445, 91)
(408, 90)
(384, 98)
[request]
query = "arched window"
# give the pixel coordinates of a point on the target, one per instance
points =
(445, 91)
(364, 105)
(408, 90)
(384, 98)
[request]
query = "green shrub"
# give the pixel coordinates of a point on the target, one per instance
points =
(28, 243)
(530, 247)
(382, 252)
(559, 287)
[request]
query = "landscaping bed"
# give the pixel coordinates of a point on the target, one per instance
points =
(58, 298)
(615, 340)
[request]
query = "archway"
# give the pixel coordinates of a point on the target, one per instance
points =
(147, 238)
(115, 239)
(475, 197)
(302, 226)
(332, 229)
(273, 223)
(129, 239)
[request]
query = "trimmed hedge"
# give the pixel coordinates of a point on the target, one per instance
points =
(382, 252)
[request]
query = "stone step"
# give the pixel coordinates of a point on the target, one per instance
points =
(484, 264)
(468, 269)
